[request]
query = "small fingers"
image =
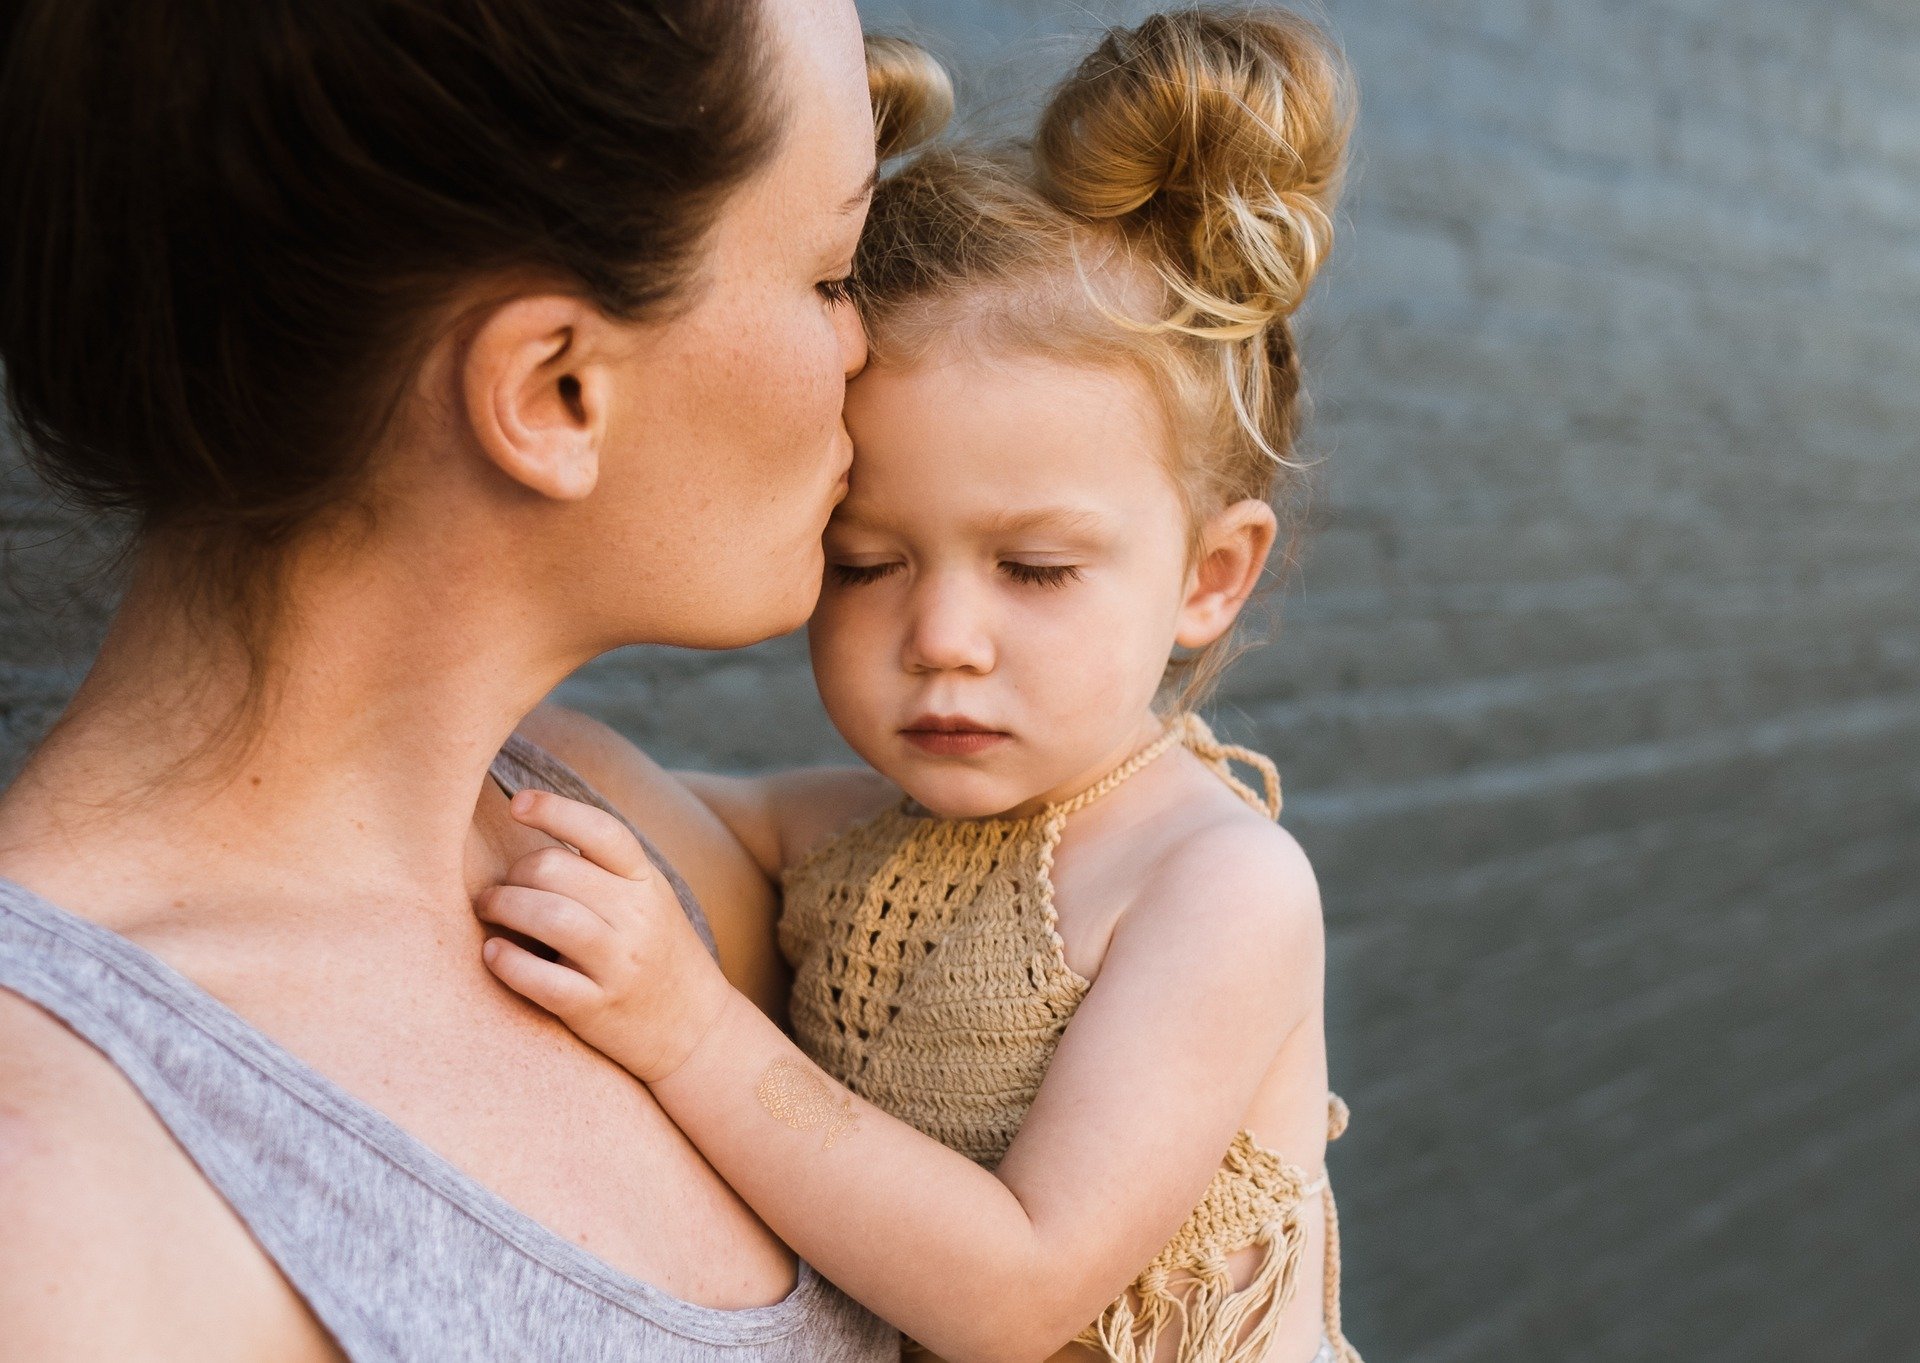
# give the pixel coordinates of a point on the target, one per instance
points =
(564, 992)
(561, 871)
(601, 838)
(566, 925)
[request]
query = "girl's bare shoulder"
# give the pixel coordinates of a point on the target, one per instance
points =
(1243, 866)
(817, 804)
(1225, 874)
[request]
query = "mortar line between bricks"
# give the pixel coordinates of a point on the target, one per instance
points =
(1866, 720)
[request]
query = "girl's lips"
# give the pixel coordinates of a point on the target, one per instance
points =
(947, 742)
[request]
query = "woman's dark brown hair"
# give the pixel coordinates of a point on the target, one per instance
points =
(227, 222)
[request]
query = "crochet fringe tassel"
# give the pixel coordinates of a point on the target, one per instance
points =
(1212, 1314)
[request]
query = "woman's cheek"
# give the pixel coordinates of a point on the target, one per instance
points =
(817, 366)
(795, 397)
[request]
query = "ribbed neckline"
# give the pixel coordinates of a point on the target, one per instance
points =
(153, 977)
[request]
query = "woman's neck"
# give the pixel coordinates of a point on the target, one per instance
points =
(388, 691)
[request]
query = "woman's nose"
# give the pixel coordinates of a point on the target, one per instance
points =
(948, 632)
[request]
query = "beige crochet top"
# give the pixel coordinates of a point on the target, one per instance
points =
(929, 977)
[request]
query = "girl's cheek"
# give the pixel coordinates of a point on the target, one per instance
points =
(843, 642)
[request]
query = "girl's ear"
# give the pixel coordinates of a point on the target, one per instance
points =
(536, 393)
(1234, 545)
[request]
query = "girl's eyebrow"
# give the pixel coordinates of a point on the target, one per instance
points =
(1073, 522)
(1056, 520)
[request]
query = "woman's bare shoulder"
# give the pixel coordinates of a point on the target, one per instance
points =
(607, 760)
(723, 874)
(806, 805)
(653, 798)
(61, 1104)
(116, 1246)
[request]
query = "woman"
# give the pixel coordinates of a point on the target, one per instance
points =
(433, 348)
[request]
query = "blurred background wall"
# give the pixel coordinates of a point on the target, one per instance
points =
(1598, 696)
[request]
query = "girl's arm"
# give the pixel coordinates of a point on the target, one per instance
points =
(726, 835)
(1195, 997)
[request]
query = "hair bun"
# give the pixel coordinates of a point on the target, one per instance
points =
(1220, 136)
(911, 92)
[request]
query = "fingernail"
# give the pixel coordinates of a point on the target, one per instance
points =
(490, 950)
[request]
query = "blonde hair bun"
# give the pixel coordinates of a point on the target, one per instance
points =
(1220, 137)
(911, 92)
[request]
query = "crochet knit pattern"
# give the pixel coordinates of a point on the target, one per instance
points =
(930, 978)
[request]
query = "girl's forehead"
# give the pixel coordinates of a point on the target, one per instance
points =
(1004, 443)
(978, 479)
(993, 403)
(1090, 521)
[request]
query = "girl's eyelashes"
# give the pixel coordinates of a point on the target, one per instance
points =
(858, 574)
(1041, 574)
(1028, 574)
(836, 291)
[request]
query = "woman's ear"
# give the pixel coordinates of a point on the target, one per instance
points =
(536, 394)
(1234, 545)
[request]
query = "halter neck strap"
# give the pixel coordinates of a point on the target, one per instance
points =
(1221, 757)
(1189, 729)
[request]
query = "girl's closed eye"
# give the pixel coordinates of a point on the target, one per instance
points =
(859, 574)
(836, 291)
(1040, 574)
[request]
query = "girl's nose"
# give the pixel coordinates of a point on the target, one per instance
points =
(948, 631)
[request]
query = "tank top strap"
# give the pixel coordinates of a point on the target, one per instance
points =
(522, 765)
(400, 1255)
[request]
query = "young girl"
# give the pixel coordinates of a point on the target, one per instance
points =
(1079, 955)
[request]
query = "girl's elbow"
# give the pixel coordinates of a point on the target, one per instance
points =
(1020, 1326)
(1001, 1346)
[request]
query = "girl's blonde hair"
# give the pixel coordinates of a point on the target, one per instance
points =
(1171, 212)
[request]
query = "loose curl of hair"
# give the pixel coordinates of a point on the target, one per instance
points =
(1171, 213)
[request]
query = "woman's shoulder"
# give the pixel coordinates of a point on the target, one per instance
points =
(724, 876)
(114, 1240)
(603, 757)
(653, 799)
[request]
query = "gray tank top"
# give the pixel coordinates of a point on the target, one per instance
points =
(399, 1255)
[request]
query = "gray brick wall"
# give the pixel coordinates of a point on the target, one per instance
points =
(1599, 693)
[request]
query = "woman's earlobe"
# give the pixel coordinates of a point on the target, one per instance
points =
(535, 398)
(1234, 546)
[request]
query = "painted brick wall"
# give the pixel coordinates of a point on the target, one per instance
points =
(1599, 693)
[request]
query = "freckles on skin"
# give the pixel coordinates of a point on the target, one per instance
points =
(762, 353)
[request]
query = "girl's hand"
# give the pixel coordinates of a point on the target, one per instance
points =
(634, 979)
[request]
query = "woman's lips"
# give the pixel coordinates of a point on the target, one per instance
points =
(952, 738)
